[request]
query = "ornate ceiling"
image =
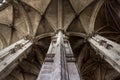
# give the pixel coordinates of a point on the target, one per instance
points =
(39, 19)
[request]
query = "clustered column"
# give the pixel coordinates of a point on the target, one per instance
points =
(59, 63)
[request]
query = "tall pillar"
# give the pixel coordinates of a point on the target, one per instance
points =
(11, 55)
(107, 49)
(59, 63)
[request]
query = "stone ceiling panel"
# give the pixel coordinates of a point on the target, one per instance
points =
(35, 19)
(44, 27)
(15, 37)
(39, 5)
(6, 15)
(1, 45)
(76, 26)
(51, 13)
(85, 17)
(22, 24)
(80, 5)
(68, 13)
(6, 32)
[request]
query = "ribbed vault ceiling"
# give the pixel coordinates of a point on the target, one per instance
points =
(39, 19)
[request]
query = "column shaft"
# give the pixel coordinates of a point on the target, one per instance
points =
(108, 50)
(59, 63)
(10, 56)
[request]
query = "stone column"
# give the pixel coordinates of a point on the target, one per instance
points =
(107, 49)
(11, 55)
(59, 63)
